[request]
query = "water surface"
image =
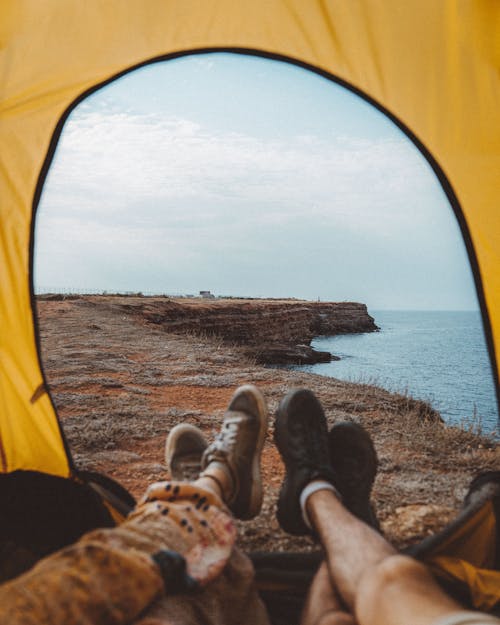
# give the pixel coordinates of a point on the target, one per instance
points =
(437, 356)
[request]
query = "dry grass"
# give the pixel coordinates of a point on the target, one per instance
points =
(120, 386)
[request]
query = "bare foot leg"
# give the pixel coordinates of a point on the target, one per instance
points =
(377, 586)
(323, 605)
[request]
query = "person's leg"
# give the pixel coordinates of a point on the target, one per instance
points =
(354, 463)
(376, 585)
(115, 575)
(231, 460)
(323, 605)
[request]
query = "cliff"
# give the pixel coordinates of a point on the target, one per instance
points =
(273, 331)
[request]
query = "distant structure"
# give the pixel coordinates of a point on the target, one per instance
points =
(206, 295)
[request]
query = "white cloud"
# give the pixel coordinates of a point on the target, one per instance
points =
(154, 157)
(156, 188)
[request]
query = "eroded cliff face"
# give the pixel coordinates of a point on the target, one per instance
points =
(251, 322)
(275, 331)
(341, 318)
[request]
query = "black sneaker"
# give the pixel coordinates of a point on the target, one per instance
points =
(354, 462)
(184, 448)
(237, 450)
(301, 436)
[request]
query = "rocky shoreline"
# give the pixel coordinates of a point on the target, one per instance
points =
(271, 331)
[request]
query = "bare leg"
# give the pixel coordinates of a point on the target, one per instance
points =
(377, 585)
(323, 606)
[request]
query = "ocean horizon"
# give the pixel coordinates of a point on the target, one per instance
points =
(437, 356)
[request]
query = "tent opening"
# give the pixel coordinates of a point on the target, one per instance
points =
(217, 180)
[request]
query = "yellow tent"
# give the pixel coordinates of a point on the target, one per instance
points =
(433, 66)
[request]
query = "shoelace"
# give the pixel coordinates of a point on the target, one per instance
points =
(226, 439)
(229, 434)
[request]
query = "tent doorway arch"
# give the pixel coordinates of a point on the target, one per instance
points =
(446, 186)
(393, 57)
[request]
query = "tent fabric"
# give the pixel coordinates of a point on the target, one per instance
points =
(465, 554)
(481, 585)
(432, 66)
(467, 558)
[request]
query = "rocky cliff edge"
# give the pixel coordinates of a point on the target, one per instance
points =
(272, 331)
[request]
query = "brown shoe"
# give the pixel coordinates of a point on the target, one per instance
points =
(237, 450)
(183, 451)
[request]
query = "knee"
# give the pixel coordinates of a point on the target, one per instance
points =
(392, 573)
(387, 580)
(397, 569)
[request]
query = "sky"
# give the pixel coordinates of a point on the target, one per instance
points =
(246, 177)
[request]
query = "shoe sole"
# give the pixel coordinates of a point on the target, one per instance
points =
(256, 491)
(348, 437)
(289, 513)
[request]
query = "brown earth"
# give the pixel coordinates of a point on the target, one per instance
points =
(121, 382)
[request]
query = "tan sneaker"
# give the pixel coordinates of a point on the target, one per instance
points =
(183, 451)
(237, 450)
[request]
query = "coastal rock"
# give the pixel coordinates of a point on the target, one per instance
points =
(278, 354)
(342, 318)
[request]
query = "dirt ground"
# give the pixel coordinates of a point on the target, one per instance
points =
(119, 385)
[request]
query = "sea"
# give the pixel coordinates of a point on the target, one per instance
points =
(440, 357)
